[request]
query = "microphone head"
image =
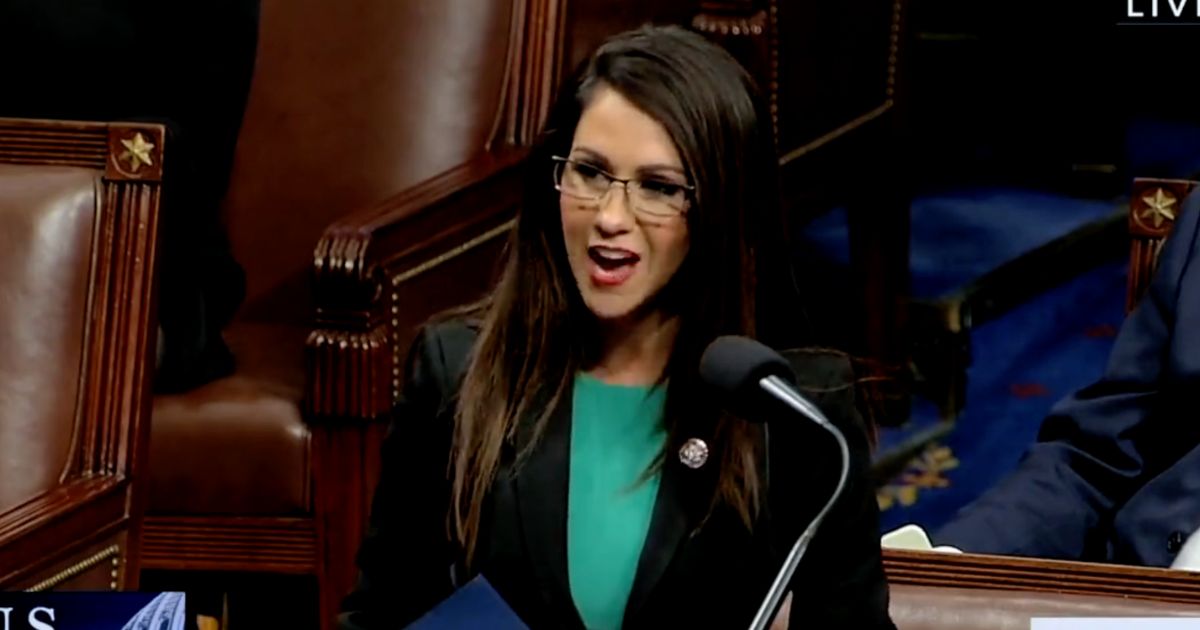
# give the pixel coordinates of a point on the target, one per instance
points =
(734, 365)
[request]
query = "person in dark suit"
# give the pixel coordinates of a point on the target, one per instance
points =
(1115, 473)
(557, 440)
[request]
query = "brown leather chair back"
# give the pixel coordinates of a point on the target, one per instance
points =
(78, 230)
(936, 608)
(1153, 209)
(350, 103)
(47, 228)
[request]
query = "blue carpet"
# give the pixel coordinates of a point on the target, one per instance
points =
(1028, 358)
(1022, 363)
(959, 235)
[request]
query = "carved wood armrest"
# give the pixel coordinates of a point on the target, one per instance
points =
(70, 512)
(353, 356)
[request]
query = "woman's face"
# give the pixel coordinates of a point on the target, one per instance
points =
(621, 255)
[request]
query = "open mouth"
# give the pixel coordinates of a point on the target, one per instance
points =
(610, 258)
(610, 265)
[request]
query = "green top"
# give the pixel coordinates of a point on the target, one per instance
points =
(616, 432)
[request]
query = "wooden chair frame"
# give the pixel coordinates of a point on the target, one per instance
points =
(85, 532)
(1153, 208)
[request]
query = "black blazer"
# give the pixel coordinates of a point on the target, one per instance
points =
(712, 578)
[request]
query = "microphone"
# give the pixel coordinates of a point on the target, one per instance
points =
(749, 374)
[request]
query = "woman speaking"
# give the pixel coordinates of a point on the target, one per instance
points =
(557, 440)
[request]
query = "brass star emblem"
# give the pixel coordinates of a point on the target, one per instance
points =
(1159, 206)
(137, 152)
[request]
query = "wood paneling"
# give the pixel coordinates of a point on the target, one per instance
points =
(926, 568)
(275, 545)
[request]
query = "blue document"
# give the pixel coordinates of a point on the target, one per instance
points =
(475, 605)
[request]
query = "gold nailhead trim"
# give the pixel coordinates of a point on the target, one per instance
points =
(80, 567)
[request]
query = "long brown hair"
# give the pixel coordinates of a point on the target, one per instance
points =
(535, 331)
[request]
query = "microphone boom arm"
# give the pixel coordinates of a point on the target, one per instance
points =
(781, 390)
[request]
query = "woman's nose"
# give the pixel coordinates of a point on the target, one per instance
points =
(615, 214)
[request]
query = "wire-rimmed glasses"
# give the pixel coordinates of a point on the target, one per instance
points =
(656, 197)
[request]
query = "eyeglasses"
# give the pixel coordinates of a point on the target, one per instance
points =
(655, 197)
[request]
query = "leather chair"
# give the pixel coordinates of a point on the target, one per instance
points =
(937, 608)
(78, 236)
(255, 472)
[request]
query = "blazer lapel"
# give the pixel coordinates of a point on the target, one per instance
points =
(677, 508)
(542, 484)
(684, 497)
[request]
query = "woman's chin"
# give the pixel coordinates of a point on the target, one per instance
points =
(611, 307)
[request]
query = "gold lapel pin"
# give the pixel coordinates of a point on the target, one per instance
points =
(693, 453)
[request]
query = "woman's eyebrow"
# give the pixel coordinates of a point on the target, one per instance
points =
(592, 155)
(645, 169)
(657, 169)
